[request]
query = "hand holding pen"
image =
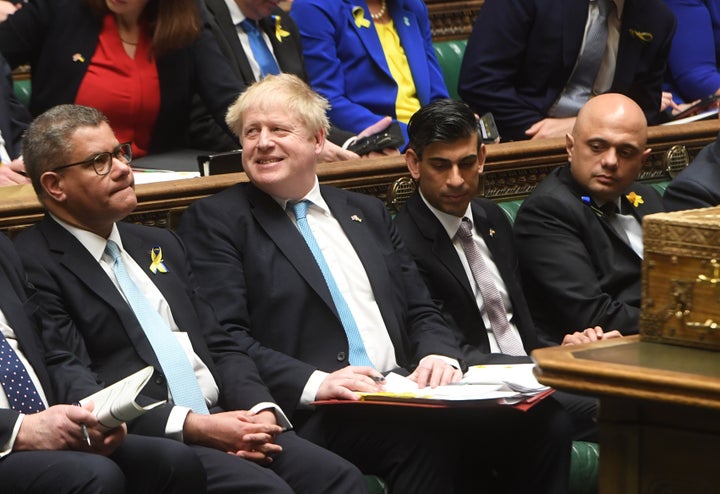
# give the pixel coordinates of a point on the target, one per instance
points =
(344, 383)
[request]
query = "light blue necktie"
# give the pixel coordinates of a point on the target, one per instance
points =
(358, 355)
(260, 50)
(19, 388)
(578, 88)
(174, 362)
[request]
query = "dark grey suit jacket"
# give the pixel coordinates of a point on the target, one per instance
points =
(698, 185)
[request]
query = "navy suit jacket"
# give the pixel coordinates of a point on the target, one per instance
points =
(521, 53)
(19, 305)
(440, 266)
(93, 336)
(698, 185)
(14, 117)
(577, 271)
(59, 37)
(257, 271)
(348, 66)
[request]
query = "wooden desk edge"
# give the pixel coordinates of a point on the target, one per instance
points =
(558, 367)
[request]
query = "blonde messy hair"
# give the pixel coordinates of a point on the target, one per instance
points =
(285, 91)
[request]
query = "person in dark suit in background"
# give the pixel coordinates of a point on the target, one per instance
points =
(122, 297)
(521, 56)
(446, 157)
(42, 446)
(316, 285)
(698, 185)
(228, 21)
(579, 235)
(14, 118)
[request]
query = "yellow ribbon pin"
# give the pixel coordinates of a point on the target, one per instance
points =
(280, 33)
(157, 261)
(359, 16)
(635, 199)
(77, 57)
(641, 35)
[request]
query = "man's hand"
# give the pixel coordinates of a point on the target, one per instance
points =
(551, 127)
(13, 173)
(8, 8)
(342, 383)
(588, 335)
(434, 371)
(240, 433)
(60, 427)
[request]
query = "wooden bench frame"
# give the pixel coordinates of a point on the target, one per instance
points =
(512, 171)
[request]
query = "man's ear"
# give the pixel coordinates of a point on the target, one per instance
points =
(319, 141)
(646, 154)
(569, 145)
(482, 154)
(413, 163)
(53, 184)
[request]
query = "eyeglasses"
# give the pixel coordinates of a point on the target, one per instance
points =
(102, 162)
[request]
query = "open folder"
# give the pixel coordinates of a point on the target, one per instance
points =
(118, 403)
(482, 385)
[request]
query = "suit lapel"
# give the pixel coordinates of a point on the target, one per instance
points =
(573, 31)
(411, 39)
(287, 53)
(278, 226)
(76, 259)
(368, 35)
(229, 31)
(629, 47)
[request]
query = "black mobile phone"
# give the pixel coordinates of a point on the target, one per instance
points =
(697, 107)
(487, 128)
(389, 138)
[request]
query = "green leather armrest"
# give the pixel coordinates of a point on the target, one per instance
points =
(584, 468)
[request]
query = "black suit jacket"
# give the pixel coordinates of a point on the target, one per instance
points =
(59, 37)
(93, 336)
(255, 268)
(204, 132)
(440, 266)
(698, 185)
(521, 53)
(19, 305)
(14, 117)
(576, 270)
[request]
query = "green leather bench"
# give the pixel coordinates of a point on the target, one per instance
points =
(22, 89)
(449, 55)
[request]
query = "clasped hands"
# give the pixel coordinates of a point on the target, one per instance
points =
(240, 432)
(344, 384)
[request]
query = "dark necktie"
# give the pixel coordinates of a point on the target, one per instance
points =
(358, 354)
(508, 341)
(176, 366)
(19, 388)
(578, 88)
(260, 50)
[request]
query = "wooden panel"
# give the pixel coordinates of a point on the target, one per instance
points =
(512, 171)
(452, 20)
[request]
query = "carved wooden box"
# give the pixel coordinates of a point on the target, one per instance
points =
(681, 278)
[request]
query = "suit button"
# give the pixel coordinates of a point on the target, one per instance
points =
(341, 356)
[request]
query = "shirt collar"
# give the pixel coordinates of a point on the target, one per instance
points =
(95, 244)
(314, 196)
(236, 14)
(449, 222)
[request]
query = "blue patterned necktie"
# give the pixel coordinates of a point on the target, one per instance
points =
(178, 371)
(358, 354)
(19, 388)
(579, 86)
(260, 50)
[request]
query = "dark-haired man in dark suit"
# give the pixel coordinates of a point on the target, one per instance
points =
(698, 185)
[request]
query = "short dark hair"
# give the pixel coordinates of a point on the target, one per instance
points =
(441, 120)
(46, 143)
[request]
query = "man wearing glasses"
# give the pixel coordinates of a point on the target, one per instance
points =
(120, 297)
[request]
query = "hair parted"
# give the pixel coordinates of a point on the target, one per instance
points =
(47, 141)
(285, 91)
(442, 120)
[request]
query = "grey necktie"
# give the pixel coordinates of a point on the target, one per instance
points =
(578, 88)
(508, 341)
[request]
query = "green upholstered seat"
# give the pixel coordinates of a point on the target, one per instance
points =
(375, 485)
(450, 55)
(22, 89)
(510, 208)
(584, 468)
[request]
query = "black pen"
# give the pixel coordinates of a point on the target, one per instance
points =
(83, 427)
(378, 379)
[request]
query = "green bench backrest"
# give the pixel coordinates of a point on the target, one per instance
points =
(22, 90)
(450, 55)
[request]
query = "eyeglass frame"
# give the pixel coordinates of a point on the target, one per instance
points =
(114, 154)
